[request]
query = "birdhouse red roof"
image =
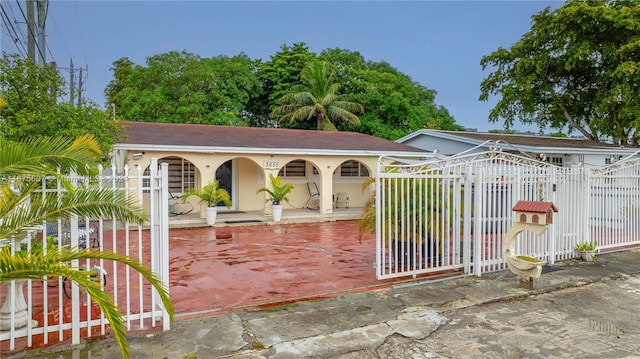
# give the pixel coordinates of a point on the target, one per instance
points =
(535, 206)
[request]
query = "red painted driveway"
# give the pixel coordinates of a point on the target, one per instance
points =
(223, 269)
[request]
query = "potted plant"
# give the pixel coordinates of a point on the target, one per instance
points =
(211, 194)
(277, 193)
(587, 250)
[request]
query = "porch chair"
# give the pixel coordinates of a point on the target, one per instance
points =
(342, 200)
(314, 196)
(177, 206)
(83, 232)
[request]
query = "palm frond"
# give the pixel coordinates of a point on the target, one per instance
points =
(55, 263)
(93, 202)
(327, 125)
(348, 106)
(336, 113)
(301, 113)
(41, 156)
(25, 202)
(317, 95)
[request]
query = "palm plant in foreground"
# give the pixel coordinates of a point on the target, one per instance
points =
(24, 206)
(318, 98)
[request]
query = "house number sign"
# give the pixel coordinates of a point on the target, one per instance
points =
(271, 165)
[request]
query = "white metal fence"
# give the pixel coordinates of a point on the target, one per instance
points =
(451, 213)
(57, 310)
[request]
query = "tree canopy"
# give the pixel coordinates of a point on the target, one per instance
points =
(394, 105)
(578, 69)
(32, 94)
(186, 88)
(180, 87)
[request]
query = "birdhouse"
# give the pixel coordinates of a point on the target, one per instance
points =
(534, 212)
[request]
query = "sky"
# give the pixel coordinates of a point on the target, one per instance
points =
(438, 44)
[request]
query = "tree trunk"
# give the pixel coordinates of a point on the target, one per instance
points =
(319, 118)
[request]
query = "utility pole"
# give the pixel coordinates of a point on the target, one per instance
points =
(42, 44)
(72, 85)
(80, 88)
(31, 31)
(53, 89)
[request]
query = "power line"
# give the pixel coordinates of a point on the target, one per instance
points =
(55, 25)
(84, 52)
(31, 34)
(14, 37)
(23, 36)
(46, 15)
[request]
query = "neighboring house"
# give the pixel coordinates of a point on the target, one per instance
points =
(242, 158)
(559, 151)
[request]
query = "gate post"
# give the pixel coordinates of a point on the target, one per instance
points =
(467, 216)
(75, 290)
(587, 215)
(164, 237)
(478, 241)
(378, 202)
(160, 232)
(553, 177)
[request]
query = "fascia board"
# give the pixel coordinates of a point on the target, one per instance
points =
(412, 135)
(252, 150)
(584, 150)
(523, 148)
(445, 136)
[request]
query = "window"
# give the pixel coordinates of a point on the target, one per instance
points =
(353, 169)
(182, 174)
(556, 161)
(295, 168)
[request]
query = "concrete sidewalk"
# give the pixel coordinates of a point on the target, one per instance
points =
(334, 327)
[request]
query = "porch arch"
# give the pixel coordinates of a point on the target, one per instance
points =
(299, 172)
(183, 174)
(241, 177)
(349, 177)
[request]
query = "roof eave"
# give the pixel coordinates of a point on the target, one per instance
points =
(524, 148)
(256, 150)
(438, 134)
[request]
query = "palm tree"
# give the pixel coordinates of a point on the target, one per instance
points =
(23, 207)
(318, 98)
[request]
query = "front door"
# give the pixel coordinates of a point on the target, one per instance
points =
(224, 175)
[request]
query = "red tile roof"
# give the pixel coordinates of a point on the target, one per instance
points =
(150, 133)
(534, 206)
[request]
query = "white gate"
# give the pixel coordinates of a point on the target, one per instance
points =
(451, 213)
(614, 208)
(58, 310)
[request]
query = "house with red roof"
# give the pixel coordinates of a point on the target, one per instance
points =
(242, 158)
